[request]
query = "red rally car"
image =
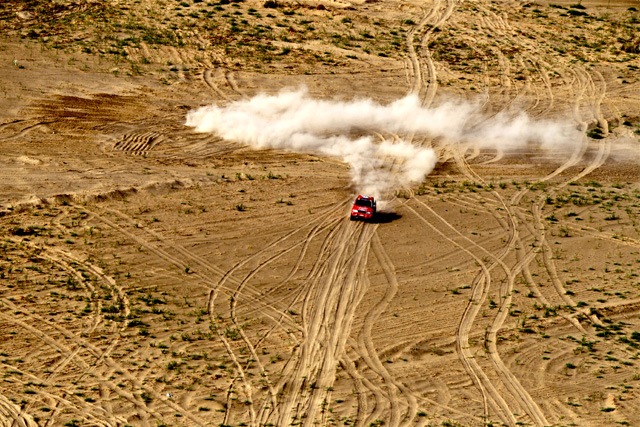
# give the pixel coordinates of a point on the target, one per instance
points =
(364, 207)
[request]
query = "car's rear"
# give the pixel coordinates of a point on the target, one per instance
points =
(363, 208)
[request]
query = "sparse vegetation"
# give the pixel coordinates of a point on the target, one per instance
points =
(164, 276)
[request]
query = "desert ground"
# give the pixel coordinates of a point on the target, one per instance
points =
(152, 275)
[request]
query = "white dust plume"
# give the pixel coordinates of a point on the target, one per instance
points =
(294, 121)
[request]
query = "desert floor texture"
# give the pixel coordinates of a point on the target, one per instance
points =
(151, 275)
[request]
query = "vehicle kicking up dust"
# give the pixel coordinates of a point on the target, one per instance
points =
(364, 207)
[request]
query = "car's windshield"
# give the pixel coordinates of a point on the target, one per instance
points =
(362, 202)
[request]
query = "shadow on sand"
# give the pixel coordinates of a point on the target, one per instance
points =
(384, 217)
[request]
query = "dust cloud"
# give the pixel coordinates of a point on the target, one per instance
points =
(294, 121)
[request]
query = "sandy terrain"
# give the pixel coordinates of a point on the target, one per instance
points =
(151, 275)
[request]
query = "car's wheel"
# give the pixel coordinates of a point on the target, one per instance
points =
(352, 218)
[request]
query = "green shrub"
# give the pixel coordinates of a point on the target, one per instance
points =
(595, 133)
(573, 12)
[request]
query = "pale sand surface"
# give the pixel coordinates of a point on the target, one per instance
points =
(151, 275)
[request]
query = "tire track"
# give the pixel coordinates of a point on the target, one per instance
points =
(327, 312)
(507, 377)
(522, 258)
(226, 276)
(236, 297)
(509, 380)
(26, 130)
(365, 346)
(415, 66)
(479, 291)
(139, 144)
(209, 80)
(12, 415)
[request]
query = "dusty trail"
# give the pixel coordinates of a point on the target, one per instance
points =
(336, 268)
(526, 259)
(479, 288)
(236, 297)
(317, 271)
(189, 260)
(365, 344)
(509, 380)
(513, 385)
(416, 79)
(238, 294)
(423, 79)
(470, 364)
(327, 315)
